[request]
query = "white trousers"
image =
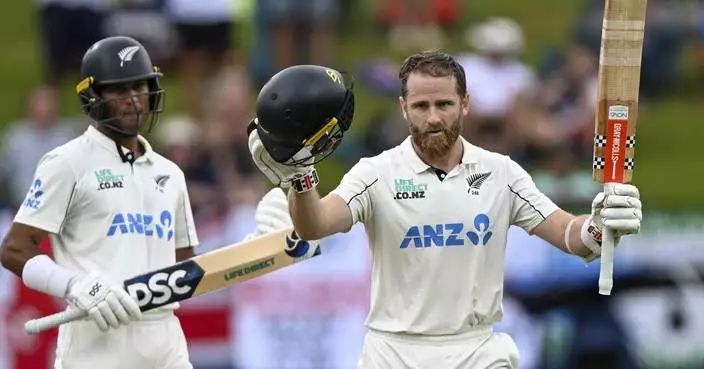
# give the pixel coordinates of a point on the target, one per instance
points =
(152, 343)
(479, 349)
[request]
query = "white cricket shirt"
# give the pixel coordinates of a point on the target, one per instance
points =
(104, 214)
(438, 246)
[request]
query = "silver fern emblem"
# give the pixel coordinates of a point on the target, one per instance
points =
(126, 54)
(475, 181)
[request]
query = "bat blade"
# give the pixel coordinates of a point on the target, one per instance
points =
(204, 273)
(620, 57)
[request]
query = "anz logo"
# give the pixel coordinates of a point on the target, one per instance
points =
(34, 196)
(161, 227)
(449, 234)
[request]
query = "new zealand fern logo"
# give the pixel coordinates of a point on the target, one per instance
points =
(126, 54)
(475, 182)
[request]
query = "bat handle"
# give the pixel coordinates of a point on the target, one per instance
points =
(606, 271)
(36, 326)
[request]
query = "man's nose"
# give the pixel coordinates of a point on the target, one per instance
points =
(134, 99)
(434, 116)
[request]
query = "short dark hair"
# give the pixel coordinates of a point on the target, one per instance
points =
(433, 63)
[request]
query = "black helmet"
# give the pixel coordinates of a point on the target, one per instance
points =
(116, 60)
(303, 112)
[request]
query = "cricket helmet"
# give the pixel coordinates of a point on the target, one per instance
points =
(302, 113)
(116, 60)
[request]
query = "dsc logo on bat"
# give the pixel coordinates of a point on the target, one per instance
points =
(165, 286)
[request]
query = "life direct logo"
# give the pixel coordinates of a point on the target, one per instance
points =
(137, 223)
(449, 234)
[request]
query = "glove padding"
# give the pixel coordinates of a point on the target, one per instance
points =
(279, 174)
(620, 210)
(272, 212)
(107, 304)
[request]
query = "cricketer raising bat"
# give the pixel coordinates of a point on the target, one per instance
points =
(617, 108)
(204, 273)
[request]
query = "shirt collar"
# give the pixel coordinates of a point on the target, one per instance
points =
(470, 155)
(101, 139)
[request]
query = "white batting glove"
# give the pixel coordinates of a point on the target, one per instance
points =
(279, 174)
(272, 212)
(620, 210)
(107, 304)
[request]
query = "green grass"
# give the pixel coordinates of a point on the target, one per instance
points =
(668, 168)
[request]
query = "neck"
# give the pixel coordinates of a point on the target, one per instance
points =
(445, 162)
(131, 143)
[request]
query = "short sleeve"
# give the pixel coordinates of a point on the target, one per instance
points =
(355, 189)
(529, 206)
(49, 197)
(184, 226)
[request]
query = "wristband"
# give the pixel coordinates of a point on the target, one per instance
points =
(305, 182)
(567, 235)
(42, 274)
(590, 235)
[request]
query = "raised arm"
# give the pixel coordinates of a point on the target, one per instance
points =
(315, 218)
(575, 234)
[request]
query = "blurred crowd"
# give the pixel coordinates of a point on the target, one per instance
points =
(542, 115)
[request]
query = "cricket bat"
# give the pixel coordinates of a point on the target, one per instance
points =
(617, 108)
(204, 273)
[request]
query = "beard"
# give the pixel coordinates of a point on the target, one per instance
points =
(435, 146)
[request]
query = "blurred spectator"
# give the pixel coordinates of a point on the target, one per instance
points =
(180, 140)
(669, 25)
(204, 32)
(445, 13)
(699, 45)
(414, 24)
(230, 109)
(495, 77)
(561, 110)
(68, 28)
(27, 140)
(146, 21)
(385, 129)
(559, 177)
(293, 21)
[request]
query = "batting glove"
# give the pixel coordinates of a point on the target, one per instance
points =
(301, 178)
(620, 210)
(272, 212)
(107, 304)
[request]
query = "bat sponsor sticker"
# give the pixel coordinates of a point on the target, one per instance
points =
(165, 286)
(615, 150)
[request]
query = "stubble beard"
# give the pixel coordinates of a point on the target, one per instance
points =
(436, 146)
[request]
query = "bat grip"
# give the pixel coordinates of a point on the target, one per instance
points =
(39, 325)
(606, 271)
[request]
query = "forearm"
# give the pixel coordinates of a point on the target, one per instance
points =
(15, 255)
(35, 269)
(306, 213)
(185, 253)
(563, 230)
(576, 245)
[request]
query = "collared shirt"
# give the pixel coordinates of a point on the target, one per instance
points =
(438, 244)
(102, 213)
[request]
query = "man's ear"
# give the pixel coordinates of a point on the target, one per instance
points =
(402, 102)
(465, 104)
